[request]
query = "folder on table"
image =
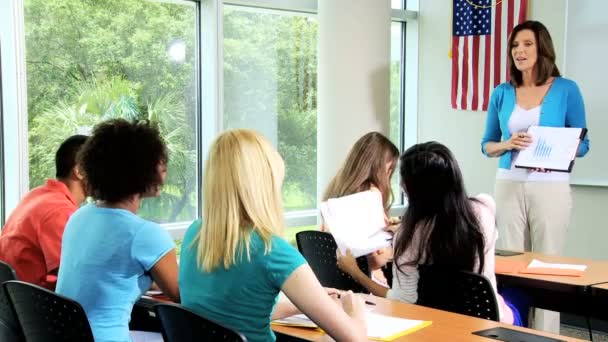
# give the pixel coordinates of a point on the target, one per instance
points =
(538, 267)
(379, 327)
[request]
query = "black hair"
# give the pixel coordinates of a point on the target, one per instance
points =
(121, 159)
(65, 157)
(439, 211)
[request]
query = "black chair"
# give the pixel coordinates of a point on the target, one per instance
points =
(179, 324)
(461, 292)
(46, 316)
(319, 249)
(10, 330)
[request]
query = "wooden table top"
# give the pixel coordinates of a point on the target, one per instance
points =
(596, 272)
(603, 286)
(446, 326)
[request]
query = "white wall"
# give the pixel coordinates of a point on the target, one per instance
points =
(461, 130)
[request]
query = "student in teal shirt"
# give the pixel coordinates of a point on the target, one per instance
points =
(234, 264)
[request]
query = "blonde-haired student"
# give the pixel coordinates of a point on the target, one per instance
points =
(369, 165)
(234, 264)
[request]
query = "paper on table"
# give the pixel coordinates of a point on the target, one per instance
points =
(356, 222)
(552, 148)
(539, 264)
(300, 320)
(379, 327)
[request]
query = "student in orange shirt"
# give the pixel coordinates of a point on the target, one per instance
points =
(31, 238)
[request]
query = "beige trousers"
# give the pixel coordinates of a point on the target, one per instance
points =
(534, 216)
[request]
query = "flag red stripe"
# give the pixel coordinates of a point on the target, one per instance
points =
(497, 43)
(510, 25)
(467, 60)
(486, 73)
(475, 72)
(455, 68)
(465, 73)
(523, 8)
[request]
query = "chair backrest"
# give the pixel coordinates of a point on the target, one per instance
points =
(179, 324)
(6, 272)
(46, 316)
(319, 249)
(10, 330)
(461, 292)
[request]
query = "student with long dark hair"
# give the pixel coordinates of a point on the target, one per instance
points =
(441, 226)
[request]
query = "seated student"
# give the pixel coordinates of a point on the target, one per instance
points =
(369, 166)
(110, 255)
(441, 226)
(234, 264)
(31, 238)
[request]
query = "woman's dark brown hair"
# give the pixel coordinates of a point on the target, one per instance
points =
(364, 167)
(545, 62)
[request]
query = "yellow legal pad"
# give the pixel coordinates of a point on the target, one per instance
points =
(379, 327)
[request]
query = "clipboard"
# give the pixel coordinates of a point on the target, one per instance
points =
(552, 148)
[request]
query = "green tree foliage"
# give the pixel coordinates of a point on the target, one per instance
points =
(270, 84)
(90, 60)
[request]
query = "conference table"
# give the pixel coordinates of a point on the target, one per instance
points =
(599, 293)
(446, 326)
(557, 293)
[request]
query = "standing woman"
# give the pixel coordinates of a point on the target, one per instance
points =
(533, 206)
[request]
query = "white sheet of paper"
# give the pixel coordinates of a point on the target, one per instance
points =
(378, 326)
(551, 148)
(356, 222)
(539, 264)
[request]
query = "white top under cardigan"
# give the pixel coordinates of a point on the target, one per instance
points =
(520, 120)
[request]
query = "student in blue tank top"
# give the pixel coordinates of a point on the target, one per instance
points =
(110, 255)
(234, 264)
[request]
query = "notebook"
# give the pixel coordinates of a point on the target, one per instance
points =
(379, 327)
(357, 222)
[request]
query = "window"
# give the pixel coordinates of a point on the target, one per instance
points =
(397, 112)
(1, 149)
(87, 61)
(270, 85)
(397, 4)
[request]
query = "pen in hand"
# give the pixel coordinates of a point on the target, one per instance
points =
(366, 302)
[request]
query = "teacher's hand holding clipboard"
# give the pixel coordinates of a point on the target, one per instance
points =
(533, 208)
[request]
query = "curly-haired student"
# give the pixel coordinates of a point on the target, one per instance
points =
(110, 255)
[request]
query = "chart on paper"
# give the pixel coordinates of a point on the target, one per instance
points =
(552, 148)
(543, 149)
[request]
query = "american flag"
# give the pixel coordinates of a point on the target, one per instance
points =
(480, 32)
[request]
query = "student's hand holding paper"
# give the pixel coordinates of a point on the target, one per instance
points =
(347, 262)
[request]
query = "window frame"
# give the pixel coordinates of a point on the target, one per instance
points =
(2, 198)
(210, 88)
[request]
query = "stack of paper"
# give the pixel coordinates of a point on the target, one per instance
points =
(539, 267)
(379, 327)
(505, 265)
(357, 222)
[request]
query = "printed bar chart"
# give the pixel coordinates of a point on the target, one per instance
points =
(542, 150)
